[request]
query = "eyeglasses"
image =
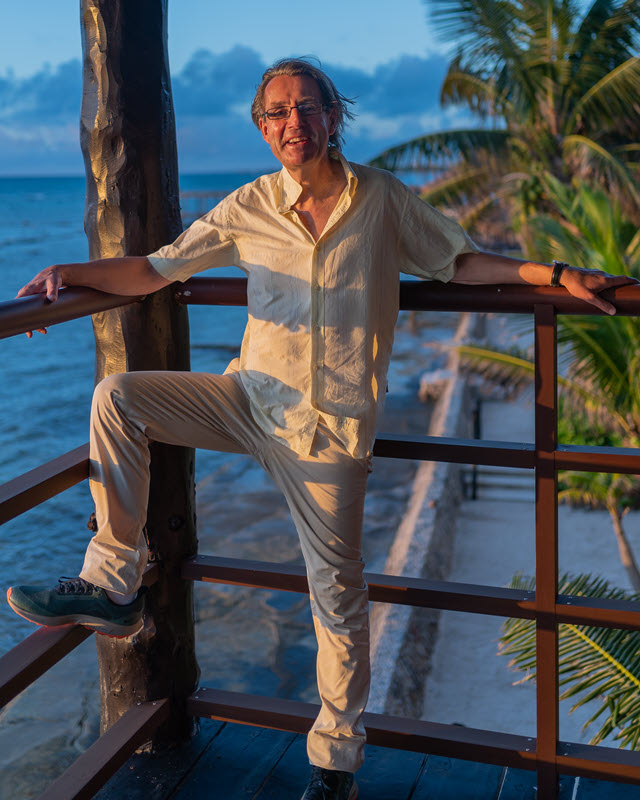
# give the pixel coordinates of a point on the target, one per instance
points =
(307, 109)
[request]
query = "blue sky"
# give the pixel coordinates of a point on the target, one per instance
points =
(385, 54)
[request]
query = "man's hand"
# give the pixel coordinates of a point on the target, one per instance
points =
(125, 275)
(47, 281)
(588, 283)
(490, 268)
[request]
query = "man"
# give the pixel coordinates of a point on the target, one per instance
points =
(322, 243)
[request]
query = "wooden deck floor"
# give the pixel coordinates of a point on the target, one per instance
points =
(227, 761)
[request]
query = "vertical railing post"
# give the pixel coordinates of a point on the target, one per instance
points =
(546, 435)
(129, 146)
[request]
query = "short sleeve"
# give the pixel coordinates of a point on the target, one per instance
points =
(205, 244)
(429, 242)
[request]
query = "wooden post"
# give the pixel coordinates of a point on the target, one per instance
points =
(129, 147)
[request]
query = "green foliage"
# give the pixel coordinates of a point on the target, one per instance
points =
(601, 664)
(555, 87)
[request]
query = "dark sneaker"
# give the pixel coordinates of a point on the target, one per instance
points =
(76, 601)
(330, 784)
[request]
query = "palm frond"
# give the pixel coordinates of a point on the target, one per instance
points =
(442, 149)
(608, 102)
(601, 664)
(477, 93)
(476, 213)
(457, 186)
(512, 370)
(591, 158)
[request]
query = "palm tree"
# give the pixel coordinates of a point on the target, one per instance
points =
(602, 663)
(560, 89)
(600, 355)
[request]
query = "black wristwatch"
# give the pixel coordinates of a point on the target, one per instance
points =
(558, 269)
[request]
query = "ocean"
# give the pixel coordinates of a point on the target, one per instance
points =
(46, 385)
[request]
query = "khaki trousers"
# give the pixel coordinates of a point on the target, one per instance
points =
(325, 493)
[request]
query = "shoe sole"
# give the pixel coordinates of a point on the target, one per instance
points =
(95, 624)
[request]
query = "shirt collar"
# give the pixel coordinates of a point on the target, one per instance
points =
(288, 190)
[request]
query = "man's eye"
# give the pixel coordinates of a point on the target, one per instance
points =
(279, 113)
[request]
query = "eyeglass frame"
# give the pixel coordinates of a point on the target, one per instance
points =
(321, 107)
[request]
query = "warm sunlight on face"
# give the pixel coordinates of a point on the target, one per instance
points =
(300, 140)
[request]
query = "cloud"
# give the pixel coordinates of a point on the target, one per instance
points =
(213, 84)
(212, 97)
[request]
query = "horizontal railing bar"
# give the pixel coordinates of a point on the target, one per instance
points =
(458, 451)
(601, 612)
(598, 459)
(32, 657)
(43, 482)
(491, 600)
(436, 296)
(386, 731)
(400, 590)
(33, 312)
(28, 313)
(509, 299)
(107, 754)
(596, 761)
(212, 291)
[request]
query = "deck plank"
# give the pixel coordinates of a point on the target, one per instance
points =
(157, 775)
(386, 774)
(236, 764)
(590, 789)
(518, 784)
(452, 779)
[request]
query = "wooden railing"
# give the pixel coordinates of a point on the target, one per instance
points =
(545, 753)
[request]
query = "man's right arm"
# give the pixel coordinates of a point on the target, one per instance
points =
(129, 275)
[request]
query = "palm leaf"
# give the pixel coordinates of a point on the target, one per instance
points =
(478, 94)
(457, 185)
(608, 102)
(591, 157)
(601, 664)
(513, 371)
(442, 149)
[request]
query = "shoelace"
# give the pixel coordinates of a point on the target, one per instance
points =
(74, 586)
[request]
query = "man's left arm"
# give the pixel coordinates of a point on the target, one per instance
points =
(491, 268)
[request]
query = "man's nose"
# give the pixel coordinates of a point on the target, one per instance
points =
(295, 116)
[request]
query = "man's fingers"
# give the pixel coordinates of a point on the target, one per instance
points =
(601, 303)
(53, 284)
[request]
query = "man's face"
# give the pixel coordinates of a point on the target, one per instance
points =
(297, 141)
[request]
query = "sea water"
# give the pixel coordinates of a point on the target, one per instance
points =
(46, 383)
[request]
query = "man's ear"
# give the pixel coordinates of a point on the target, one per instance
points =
(333, 120)
(263, 129)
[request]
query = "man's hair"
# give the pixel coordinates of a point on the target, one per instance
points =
(331, 97)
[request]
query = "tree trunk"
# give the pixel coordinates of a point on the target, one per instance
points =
(624, 548)
(132, 208)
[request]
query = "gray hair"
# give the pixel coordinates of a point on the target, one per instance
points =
(331, 97)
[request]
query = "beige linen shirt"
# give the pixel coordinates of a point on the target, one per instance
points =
(321, 314)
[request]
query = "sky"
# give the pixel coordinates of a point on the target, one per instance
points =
(384, 54)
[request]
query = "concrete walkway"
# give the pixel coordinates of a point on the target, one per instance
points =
(469, 683)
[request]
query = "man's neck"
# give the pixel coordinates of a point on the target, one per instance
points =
(319, 180)
(321, 190)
